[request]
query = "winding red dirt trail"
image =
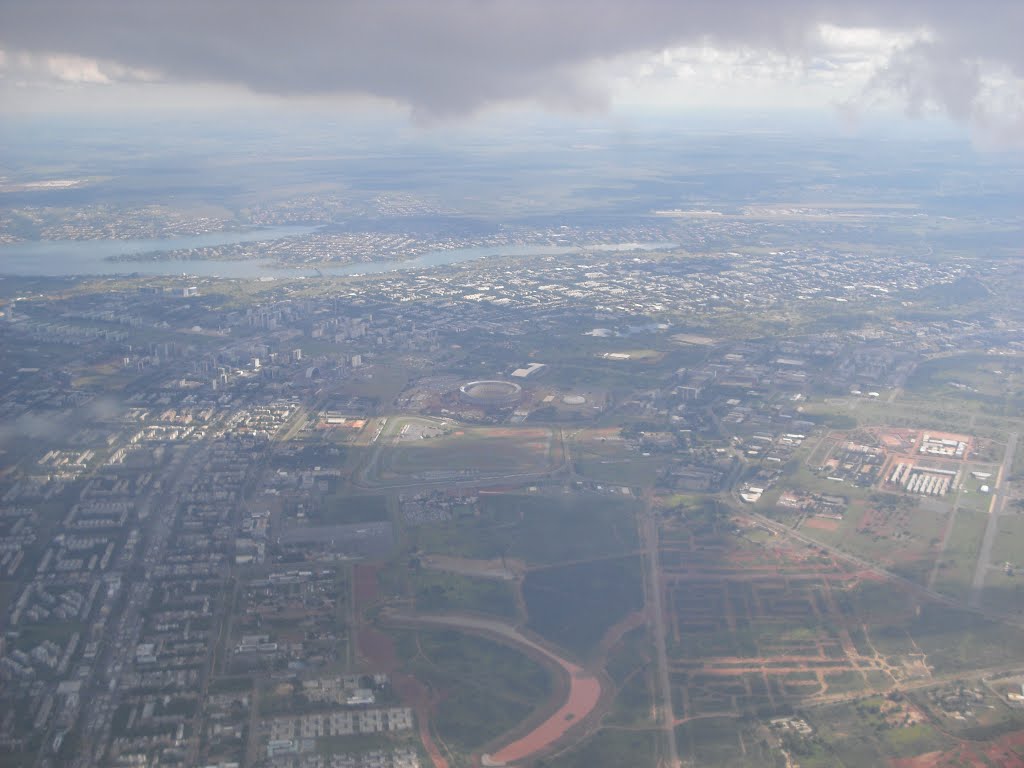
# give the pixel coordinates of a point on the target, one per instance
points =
(584, 687)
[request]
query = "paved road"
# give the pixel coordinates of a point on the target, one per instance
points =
(911, 586)
(582, 697)
(157, 513)
(916, 685)
(650, 534)
(995, 510)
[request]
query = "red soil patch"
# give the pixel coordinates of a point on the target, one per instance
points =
(822, 523)
(928, 760)
(365, 586)
(1004, 752)
(377, 648)
(584, 693)
(416, 695)
(615, 634)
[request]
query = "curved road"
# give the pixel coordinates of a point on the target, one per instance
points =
(584, 688)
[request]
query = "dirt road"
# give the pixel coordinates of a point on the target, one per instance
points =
(584, 688)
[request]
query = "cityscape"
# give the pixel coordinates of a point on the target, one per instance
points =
(541, 385)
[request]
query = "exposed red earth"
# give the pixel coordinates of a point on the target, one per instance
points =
(582, 699)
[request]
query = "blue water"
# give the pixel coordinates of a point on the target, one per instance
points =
(67, 258)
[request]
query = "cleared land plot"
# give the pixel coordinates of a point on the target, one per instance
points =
(460, 453)
(893, 530)
(753, 628)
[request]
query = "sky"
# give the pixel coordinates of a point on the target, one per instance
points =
(444, 61)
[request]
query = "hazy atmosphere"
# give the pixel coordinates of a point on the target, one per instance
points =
(467, 383)
(459, 57)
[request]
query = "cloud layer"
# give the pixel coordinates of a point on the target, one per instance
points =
(444, 57)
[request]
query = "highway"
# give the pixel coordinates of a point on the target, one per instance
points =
(650, 533)
(159, 512)
(911, 586)
(995, 510)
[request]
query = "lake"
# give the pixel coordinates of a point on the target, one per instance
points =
(67, 258)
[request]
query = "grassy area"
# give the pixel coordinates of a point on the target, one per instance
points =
(863, 735)
(952, 640)
(1009, 543)
(538, 528)
(359, 743)
(956, 566)
(638, 471)
(575, 605)
(486, 688)
(605, 456)
(440, 592)
(338, 510)
(382, 383)
(980, 374)
(633, 651)
(724, 741)
(490, 451)
(893, 530)
(634, 703)
(845, 682)
(1004, 590)
(956, 640)
(610, 749)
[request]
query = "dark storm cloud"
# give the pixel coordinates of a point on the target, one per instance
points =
(453, 56)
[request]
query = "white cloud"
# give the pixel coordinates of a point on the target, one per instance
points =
(456, 57)
(48, 69)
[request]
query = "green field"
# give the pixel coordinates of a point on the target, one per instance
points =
(610, 749)
(574, 605)
(1009, 543)
(633, 652)
(956, 565)
(440, 592)
(718, 742)
(634, 702)
(486, 688)
(904, 535)
(951, 640)
(631, 666)
(449, 451)
(538, 528)
(976, 371)
(339, 510)
(862, 735)
(632, 472)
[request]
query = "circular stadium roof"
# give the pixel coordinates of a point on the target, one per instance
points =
(491, 392)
